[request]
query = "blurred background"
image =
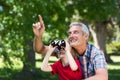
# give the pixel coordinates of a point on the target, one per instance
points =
(18, 61)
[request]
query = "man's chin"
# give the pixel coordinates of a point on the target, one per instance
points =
(72, 44)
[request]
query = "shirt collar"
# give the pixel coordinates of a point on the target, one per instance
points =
(87, 52)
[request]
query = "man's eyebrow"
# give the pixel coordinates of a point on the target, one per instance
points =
(68, 32)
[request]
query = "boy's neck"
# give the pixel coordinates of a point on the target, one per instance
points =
(65, 62)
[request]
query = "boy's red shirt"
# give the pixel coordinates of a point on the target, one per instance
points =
(65, 73)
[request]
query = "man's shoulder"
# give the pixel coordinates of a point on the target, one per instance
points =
(93, 48)
(95, 51)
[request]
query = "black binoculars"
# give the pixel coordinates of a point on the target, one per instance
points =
(60, 44)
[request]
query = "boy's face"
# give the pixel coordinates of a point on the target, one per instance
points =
(61, 53)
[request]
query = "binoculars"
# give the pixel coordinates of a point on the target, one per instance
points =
(60, 44)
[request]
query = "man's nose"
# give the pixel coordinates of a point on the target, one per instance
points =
(71, 35)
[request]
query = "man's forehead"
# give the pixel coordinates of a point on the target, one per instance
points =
(74, 28)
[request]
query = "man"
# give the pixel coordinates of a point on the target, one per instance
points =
(92, 59)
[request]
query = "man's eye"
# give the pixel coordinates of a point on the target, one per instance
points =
(76, 32)
(69, 33)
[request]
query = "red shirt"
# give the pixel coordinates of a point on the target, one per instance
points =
(65, 73)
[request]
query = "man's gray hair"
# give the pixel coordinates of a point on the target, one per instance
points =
(83, 26)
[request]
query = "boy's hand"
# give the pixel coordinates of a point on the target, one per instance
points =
(67, 48)
(51, 49)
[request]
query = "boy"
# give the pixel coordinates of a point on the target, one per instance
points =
(67, 68)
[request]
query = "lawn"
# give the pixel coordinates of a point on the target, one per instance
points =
(114, 68)
(9, 74)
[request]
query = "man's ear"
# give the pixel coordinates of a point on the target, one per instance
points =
(86, 36)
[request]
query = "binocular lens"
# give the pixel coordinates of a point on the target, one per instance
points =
(59, 43)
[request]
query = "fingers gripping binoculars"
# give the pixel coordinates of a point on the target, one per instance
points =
(59, 44)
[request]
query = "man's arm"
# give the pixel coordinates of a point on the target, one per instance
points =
(38, 29)
(100, 74)
(38, 45)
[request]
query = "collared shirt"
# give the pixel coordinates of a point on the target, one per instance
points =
(92, 60)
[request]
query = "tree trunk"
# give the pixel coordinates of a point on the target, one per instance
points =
(99, 36)
(28, 71)
(29, 53)
(118, 32)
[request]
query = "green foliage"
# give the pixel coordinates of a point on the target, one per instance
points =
(98, 10)
(16, 24)
(114, 48)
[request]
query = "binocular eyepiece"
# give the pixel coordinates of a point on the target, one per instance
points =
(59, 43)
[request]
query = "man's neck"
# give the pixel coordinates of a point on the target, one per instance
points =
(81, 49)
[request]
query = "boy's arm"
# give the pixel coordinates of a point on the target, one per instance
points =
(45, 67)
(71, 60)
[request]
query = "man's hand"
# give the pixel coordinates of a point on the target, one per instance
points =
(39, 28)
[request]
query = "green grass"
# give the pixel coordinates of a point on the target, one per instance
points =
(114, 68)
(9, 74)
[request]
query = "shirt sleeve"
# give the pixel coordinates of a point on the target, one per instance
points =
(99, 61)
(54, 68)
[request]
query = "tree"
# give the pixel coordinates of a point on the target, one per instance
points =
(17, 19)
(97, 14)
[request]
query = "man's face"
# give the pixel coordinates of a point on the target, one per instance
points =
(76, 36)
